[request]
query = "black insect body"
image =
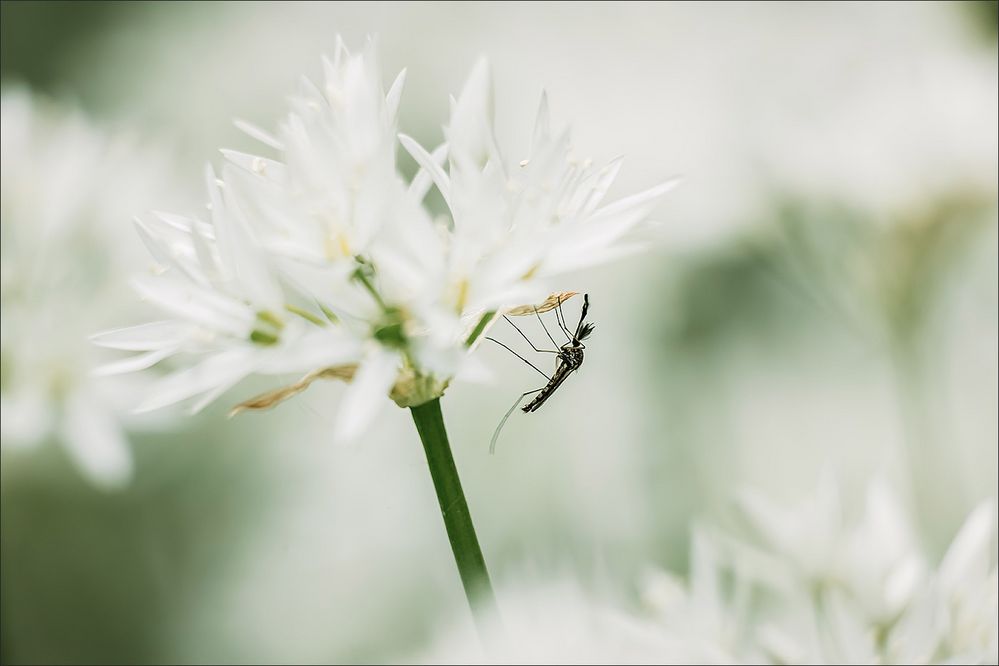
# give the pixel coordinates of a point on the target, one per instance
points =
(569, 359)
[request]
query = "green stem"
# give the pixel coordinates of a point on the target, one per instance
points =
(479, 328)
(363, 279)
(454, 509)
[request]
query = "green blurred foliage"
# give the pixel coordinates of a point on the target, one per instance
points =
(96, 577)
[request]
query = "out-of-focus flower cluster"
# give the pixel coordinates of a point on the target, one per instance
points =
(808, 585)
(67, 194)
(325, 261)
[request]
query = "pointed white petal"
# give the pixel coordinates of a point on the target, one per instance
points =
(542, 126)
(134, 363)
(195, 304)
(259, 134)
(253, 163)
(637, 203)
(967, 558)
(224, 369)
(394, 96)
(423, 180)
(427, 162)
(602, 182)
(144, 337)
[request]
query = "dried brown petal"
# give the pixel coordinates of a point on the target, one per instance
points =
(549, 303)
(277, 396)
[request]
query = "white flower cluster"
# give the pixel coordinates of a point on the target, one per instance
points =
(818, 588)
(325, 261)
(67, 194)
(810, 588)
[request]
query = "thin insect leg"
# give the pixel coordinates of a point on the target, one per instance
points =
(519, 356)
(544, 327)
(492, 442)
(546, 351)
(560, 318)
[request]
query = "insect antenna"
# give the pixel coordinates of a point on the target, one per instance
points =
(496, 434)
(519, 356)
(582, 315)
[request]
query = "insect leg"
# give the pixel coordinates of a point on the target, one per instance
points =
(492, 442)
(546, 351)
(544, 327)
(518, 356)
(560, 318)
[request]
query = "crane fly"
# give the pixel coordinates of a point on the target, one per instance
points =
(568, 359)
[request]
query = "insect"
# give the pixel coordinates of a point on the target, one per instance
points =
(568, 359)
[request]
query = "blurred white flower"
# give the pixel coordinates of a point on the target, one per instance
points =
(558, 622)
(844, 591)
(955, 617)
(67, 194)
(876, 561)
(325, 261)
(710, 619)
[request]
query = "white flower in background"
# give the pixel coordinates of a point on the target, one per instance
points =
(324, 261)
(876, 561)
(698, 611)
(67, 195)
(558, 622)
(955, 618)
(860, 591)
(724, 611)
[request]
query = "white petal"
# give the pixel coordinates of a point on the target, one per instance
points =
(220, 224)
(254, 163)
(542, 126)
(195, 304)
(249, 264)
(366, 394)
(639, 203)
(144, 337)
(95, 441)
(470, 128)
(134, 363)
(153, 244)
(427, 162)
(260, 135)
(394, 95)
(423, 179)
(221, 370)
(967, 559)
(603, 180)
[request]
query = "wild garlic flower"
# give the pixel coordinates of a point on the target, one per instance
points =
(323, 260)
(229, 310)
(876, 560)
(862, 591)
(67, 194)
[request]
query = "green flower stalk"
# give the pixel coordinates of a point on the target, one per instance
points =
(454, 509)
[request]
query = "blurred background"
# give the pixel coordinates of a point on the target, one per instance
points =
(824, 298)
